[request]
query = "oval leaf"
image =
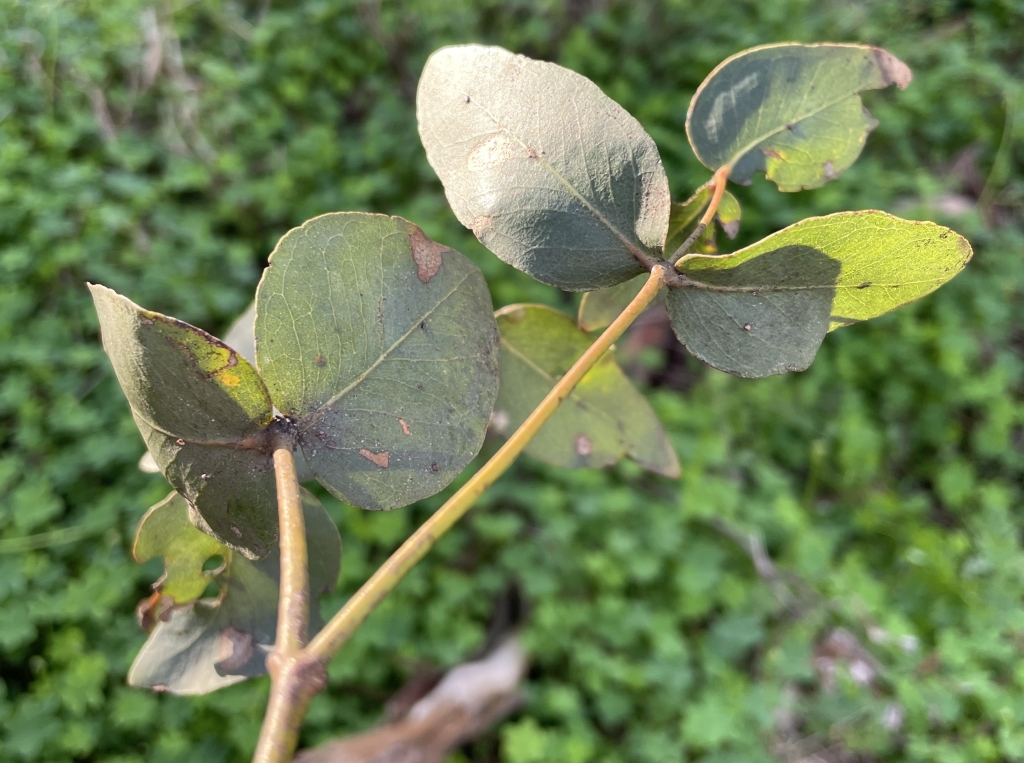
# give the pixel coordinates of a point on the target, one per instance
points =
(792, 111)
(603, 420)
(207, 644)
(382, 346)
(765, 309)
(203, 412)
(551, 175)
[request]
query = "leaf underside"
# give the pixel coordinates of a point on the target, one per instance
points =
(203, 411)
(200, 645)
(382, 346)
(603, 420)
(765, 309)
(551, 175)
(791, 111)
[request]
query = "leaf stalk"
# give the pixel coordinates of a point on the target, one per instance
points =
(718, 181)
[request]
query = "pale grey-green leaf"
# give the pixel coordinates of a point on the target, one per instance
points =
(382, 346)
(550, 174)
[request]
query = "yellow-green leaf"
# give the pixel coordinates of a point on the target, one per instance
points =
(200, 645)
(765, 309)
(165, 531)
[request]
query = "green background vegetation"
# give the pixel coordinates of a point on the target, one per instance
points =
(885, 482)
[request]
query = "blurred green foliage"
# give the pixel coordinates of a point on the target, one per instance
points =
(162, 150)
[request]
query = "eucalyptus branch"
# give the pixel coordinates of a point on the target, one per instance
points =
(293, 683)
(293, 609)
(329, 640)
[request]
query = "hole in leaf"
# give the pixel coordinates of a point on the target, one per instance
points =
(214, 564)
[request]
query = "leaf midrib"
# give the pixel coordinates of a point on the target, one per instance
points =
(552, 380)
(321, 410)
(642, 257)
(755, 143)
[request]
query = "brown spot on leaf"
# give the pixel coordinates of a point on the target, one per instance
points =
(427, 254)
(894, 71)
(864, 285)
(153, 609)
(747, 327)
(180, 441)
(772, 153)
(434, 467)
(583, 445)
(381, 459)
(236, 648)
(405, 427)
(480, 225)
(320, 361)
(829, 169)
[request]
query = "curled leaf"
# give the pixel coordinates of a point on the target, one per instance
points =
(792, 111)
(199, 645)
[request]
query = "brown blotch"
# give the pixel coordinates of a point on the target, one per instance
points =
(747, 327)
(583, 445)
(405, 427)
(236, 648)
(427, 254)
(320, 361)
(434, 467)
(480, 225)
(381, 459)
(772, 153)
(894, 71)
(153, 609)
(864, 285)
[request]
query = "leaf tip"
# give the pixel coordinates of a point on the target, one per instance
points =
(894, 71)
